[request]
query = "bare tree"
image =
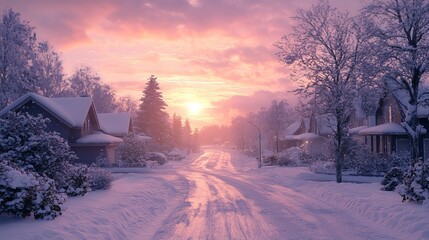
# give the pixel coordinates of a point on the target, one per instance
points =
(127, 104)
(401, 28)
(277, 120)
(327, 48)
(86, 82)
(50, 75)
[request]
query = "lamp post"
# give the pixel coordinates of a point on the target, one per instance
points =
(260, 145)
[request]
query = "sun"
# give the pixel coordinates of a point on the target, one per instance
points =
(194, 107)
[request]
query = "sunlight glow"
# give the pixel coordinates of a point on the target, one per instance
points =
(194, 107)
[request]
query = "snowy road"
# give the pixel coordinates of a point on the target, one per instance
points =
(223, 195)
(226, 203)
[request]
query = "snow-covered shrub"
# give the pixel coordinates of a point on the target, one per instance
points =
(269, 160)
(99, 178)
(400, 160)
(416, 183)
(25, 144)
(47, 204)
(23, 192)
(323, 167)
(392, 179)
(102, 161)
(132, 151)
(365, 162)
(294, 156)
(77, 181)
(157, 157)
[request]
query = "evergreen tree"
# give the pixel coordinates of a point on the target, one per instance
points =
(152, 119)
(187, 134)
(196, 141)
(177, 131)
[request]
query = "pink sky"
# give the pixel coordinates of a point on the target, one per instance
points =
(218, 53)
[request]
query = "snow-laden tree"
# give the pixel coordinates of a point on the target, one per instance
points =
(85, 82)
(277, 119)
(187, 134)
(327, 48)
(49, 71)
(152, 119)
(401, 28)
(17, 57)
(177, 130)
(127, 104)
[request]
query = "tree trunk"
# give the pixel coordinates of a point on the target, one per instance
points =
(415, 149)
(339, 151)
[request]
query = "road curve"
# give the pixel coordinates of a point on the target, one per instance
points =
(226, 203)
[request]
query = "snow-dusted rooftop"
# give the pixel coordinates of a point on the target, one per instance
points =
(356, 129)
(293, 128)
(117, 124)
(99, 137)
(307, 136)
(72, 110)
(384, 129)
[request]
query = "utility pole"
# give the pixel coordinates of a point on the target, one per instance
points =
(260, 145)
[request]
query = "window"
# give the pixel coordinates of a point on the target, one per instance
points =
(86, 125)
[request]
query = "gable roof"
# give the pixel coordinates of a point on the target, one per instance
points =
(70, 110)
(117, 124)
(291, 130)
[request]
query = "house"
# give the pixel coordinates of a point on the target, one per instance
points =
(384, 133)
(75, 118)
(309, 133)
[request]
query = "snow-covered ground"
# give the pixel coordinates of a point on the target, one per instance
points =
(221, 194)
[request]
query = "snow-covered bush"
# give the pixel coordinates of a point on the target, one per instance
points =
(416, 183)
(157, 157)
(293, 156)
(23, 192)
(77, 181)
(132, 151)
(365, 162)
(25, 144)
(269, 160)
(323, 167)
(99, 178)
(101, 160)
(392, 179)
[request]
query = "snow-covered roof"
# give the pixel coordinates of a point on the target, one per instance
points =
(293, 128)
(307, 136)
(325, 123)
(99, 137)
(117, 124)
(175, 152)
(356, 129)
(71, 110)
(384, 129)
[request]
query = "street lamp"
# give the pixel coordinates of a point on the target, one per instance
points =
(260, 145)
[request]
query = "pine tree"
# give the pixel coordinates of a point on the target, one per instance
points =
(152, 119)
(196, 141)
(187, 134)
(177, 130)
